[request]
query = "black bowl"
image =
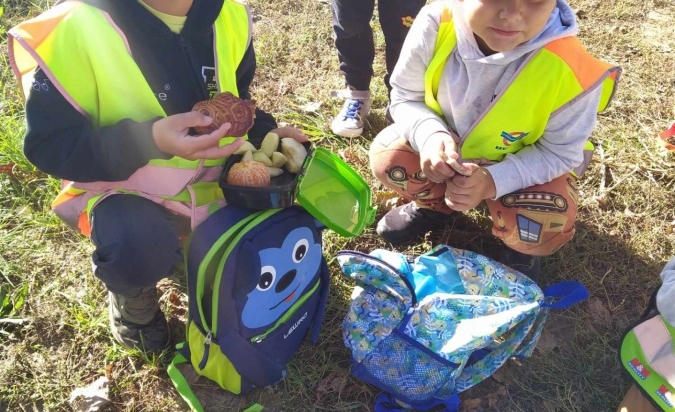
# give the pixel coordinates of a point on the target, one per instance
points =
(280, 193)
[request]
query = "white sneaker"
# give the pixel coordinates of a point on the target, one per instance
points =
(349, 122)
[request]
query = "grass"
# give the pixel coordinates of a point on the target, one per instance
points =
(53, 322)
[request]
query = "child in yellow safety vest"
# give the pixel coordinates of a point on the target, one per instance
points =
(109, 87)
(492, 101)
(647, 352)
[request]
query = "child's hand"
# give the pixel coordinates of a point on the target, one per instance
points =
(290, 131)
(172, 136)
(438, 150)
(466, 192)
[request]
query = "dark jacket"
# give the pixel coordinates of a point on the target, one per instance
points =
(179, 69)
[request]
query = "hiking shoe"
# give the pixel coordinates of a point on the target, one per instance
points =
(349, 121)
(136, 320)
(407, 222)
(528, 265)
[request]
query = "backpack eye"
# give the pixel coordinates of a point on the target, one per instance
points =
(300, 250)
(267, 276)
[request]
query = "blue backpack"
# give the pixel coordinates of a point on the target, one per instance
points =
(257, 284)
(424, 330)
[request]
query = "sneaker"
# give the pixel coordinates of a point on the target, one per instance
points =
(528, 265)
(407, 222)
(349, 122)
(136, 320)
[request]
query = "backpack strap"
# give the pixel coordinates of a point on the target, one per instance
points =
(183, 387)
(181, 384)
(565, 295)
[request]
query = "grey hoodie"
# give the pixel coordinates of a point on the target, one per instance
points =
(665, 299)
(469, 82)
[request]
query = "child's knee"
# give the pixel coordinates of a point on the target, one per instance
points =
(136, 242)
(392, 157)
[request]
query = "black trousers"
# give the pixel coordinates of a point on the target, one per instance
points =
(137, 242)
(354, 36)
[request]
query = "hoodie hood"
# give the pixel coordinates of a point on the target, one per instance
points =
(561, 23)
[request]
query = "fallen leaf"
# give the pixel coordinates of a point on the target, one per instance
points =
(471, 404)
(497, 397)
(175, 300)
(387, 200)
(548, 405)
(91, 398)
(311, 107)
(8, 169)
(547, 342)
(333, 383)
(670, 227)
(349, 156)
(599, 312)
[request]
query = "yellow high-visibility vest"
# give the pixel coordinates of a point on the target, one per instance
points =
(648, 354)
(546, 82)
(84, 53)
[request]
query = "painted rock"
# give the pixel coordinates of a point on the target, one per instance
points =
(227, 108)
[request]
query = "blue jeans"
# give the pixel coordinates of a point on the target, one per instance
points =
(354, 36)
(137, 242)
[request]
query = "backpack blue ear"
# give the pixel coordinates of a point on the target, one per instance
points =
(320, 226)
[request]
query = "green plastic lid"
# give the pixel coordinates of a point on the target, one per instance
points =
(332, 192)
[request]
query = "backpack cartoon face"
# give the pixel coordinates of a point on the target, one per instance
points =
(285, 272)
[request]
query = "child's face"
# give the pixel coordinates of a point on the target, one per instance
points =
(501, 25)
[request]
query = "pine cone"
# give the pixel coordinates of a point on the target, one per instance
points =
(227, 108)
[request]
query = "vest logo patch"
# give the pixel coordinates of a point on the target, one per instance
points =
(665, 394)
(639, 369)
(38, 86)
(209, 76)
(509, 138)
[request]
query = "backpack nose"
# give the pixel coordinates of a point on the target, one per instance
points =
(286, 280)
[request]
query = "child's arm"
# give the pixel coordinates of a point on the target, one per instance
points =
(556, 153)
(61, 141)
(408, 108)
(665, 298)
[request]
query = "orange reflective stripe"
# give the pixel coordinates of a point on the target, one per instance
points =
(83, 224)
(446, 16)
(572, 52)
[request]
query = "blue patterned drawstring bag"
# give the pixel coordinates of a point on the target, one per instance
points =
(424, 330)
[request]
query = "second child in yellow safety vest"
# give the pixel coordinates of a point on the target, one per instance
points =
(505, 90)
(109, 87)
